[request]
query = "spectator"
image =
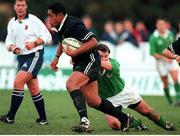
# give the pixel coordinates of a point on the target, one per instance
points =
(142, 31)
(109, 34)
(87, 20)
(128, 25)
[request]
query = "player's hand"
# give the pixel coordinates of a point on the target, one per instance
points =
(54, 64)
(16, 50)
(178, 59)
(69, 51)
(167, 60)
(29, 45)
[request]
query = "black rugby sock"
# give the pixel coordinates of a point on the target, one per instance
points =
(39, 104)
(107, 107)
(79, 103)
(16, 99)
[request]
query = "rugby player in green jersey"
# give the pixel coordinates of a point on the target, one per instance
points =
(113, 88)
(159, 40)
(172, 52)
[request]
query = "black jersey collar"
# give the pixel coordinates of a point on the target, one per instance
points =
(62, 23)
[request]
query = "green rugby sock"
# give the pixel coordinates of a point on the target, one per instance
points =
(161, 122)
(177, 89)
(168, 97)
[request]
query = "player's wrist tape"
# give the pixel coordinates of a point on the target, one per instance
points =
(57, 56)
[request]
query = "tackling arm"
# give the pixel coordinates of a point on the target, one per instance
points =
(106, 65)
(87, 46)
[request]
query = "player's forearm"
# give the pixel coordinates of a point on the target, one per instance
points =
(106, 65)
(158, 56)
(59, 51)
(11, 47)
(38, 42)
(89, 45)
(167, 53)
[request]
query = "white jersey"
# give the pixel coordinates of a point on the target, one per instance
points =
(27, 30)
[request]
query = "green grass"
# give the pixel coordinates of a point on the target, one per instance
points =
(62, 115)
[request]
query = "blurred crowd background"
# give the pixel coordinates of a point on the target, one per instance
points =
(112, 20)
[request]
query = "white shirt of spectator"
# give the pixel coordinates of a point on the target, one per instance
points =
(27, 30)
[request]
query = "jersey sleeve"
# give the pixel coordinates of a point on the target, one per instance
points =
(175, 47)
(10, 38)
(152, 44)
(79, 32)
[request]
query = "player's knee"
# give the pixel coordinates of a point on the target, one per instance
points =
(115, 125)
(34, 92)
(19, 84)
(93, 104)
(71, 86)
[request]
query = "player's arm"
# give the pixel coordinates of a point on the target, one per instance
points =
(85, 47)
(10, 40)
(41, 32)
(56, 58)
(173, 51)
(167, 53)
(106, 65)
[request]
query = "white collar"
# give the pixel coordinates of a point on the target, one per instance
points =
(55, 29)
(62, 23)
(156, 33)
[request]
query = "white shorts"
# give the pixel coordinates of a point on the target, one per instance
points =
(125, 98)
(164, 67)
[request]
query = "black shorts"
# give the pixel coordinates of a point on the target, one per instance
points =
(31, 63)
(89, 66)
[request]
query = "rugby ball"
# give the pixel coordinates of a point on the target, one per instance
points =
(71, 42)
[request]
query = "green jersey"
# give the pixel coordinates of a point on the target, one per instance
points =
(158, 43)
(110, 83)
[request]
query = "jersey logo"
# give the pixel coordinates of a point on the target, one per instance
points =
(26, 27)
(109, 75)
(25, 65)
(160, 42)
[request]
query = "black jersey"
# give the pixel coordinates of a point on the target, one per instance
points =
(175, 47)
(74, 27)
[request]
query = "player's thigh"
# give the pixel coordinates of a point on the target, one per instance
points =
(33, 86)
(22, 77)
(90, 92)
(76, 81)
(174, 75)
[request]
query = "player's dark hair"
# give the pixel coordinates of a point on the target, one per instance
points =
(57, 8)
(103, 48)
(27, 1)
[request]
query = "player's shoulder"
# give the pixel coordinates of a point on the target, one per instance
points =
(33, 17)
(74, 21)
(11, 21)
(114, 61)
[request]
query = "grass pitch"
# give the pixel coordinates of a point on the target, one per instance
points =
(62, 115)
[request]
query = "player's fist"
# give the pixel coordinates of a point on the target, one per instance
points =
(178, 59)
(29, 45)
(54, 64)
(16, 50)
